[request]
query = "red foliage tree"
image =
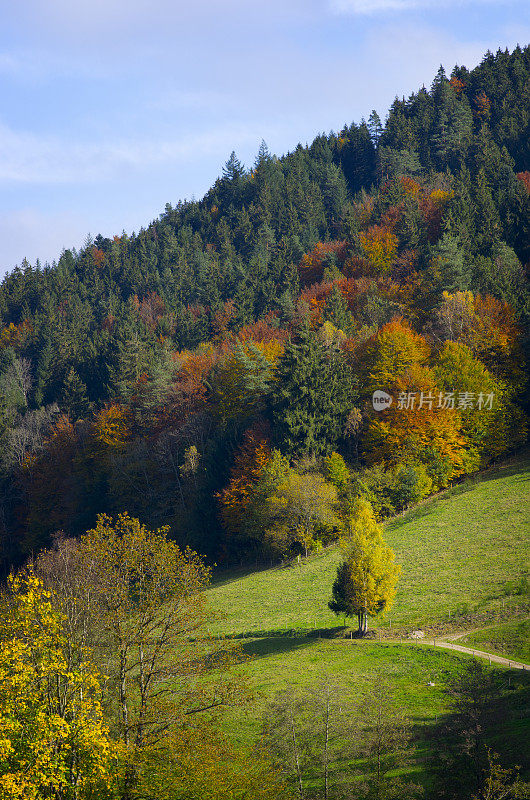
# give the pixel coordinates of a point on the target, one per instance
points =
(312, 266)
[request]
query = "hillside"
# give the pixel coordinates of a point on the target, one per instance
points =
(462, 554)
(308, 385)
(465, 552)
(199, 371)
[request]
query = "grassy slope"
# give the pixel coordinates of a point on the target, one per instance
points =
(511, 639)
(459, 549)
(457, 552)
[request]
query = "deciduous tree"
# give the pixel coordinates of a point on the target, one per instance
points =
(367, 578)
(53, 739)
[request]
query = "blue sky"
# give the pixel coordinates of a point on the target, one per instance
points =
(111, 108)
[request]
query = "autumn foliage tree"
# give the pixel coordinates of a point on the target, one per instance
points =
(241, 382)
(324, 254)
(54, 741)
(379, 247)
(367, 578)
(252, 456)
(142, 604)
(300, 507)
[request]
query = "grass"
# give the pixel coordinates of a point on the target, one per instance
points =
(302, 663)
(511, 639)
(459, 553)
(462, 552)
(417, 675)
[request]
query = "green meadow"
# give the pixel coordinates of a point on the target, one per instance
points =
(463, 555)
(464, 552)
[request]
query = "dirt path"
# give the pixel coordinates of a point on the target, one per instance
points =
(493, 659)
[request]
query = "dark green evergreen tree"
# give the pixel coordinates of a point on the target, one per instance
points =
(74, 396)
(336, 311)
(375, 127)
(449, 271)
(314, 390)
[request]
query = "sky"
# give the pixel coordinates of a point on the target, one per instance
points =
(112, 108)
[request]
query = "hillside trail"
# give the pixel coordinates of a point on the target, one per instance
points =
(511, 663)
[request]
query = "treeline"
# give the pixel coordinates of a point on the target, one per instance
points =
(215, 372)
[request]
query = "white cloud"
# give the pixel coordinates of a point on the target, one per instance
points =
(29, 233)
(28, 158)
(377, 6)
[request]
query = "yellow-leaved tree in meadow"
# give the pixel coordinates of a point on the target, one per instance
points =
(367, 578)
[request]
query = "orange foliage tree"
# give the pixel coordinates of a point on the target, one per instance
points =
(151, 309)
(312, 266)
(457, 84)
(99, 257)
(391, 354)
(524, 177)
(188, 392)
(112, 427)
(252, 456)
(433, 207)
(417, 427)
(15, 335)
(488, 327)
(482, 105)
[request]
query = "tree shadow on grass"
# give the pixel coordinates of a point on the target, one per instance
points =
(260, 644)
(274, 645)
(457, 744)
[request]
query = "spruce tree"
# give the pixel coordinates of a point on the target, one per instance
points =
(450, 273)
(336, 311)
(74, 396)
(313, 394)
(375, 127)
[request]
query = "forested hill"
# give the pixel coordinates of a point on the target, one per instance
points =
(180, 372)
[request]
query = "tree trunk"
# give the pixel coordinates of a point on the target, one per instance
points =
(326, 746)
(129, 782)
(362, 616)
(123, 696)
(295, 752)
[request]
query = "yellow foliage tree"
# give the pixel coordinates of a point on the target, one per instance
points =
(367, 578)
(380, 248)
(111, 426)
(53, 741)
(394, 351)
(198, 762)
(299, 506)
